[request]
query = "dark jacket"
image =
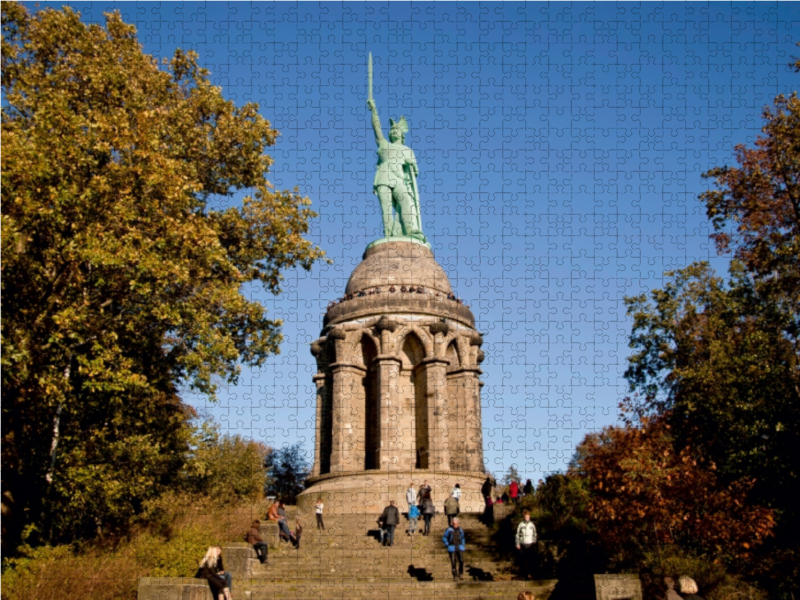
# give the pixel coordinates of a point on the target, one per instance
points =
(390, 516)
(692, 597)
(427, 507)
(486, 488)
(451, 506)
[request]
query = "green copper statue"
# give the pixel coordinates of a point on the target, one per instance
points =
(395, 181)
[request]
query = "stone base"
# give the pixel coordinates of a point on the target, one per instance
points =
(369, 492)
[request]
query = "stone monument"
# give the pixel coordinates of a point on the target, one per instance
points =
(398, 376)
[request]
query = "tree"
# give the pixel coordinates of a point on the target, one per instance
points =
(511, 475)
(121, 279)
(643, 493)
(225, 467)
(287, 470)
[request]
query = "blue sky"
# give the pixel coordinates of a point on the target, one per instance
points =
(560, 148)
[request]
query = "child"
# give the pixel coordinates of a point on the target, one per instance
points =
(298, 531)
(318, 510)
(413, 515)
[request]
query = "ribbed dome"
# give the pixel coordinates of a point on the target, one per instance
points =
(398, 264)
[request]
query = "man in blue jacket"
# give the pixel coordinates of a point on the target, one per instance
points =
(455, 539)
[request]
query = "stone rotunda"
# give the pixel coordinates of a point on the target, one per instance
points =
(397, 386)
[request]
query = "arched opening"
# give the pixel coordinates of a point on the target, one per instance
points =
(326, 411)
(416, 402)
(371, 399)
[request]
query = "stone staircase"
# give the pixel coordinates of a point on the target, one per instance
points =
(346, 561)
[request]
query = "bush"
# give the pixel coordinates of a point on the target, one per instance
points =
(169, 541)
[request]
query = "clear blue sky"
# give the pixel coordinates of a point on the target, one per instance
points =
(560, 150)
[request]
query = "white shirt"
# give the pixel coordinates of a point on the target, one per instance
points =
(319, 507)
(411, 495)
(456, 493)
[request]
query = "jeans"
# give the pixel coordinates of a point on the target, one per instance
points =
(262, 551)
(457, 555)
(228, 579)
(284, 528)
(412, 525)
(388, 539)
(320, 524)
(427, 523)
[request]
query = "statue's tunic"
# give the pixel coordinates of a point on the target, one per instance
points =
(391, 158)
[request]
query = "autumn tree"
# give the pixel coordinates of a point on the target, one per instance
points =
(124, 259)
(719, 359)
(287, 470)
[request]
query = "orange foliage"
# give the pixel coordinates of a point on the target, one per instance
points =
(645, 493)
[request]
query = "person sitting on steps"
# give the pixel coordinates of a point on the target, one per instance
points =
(253, 537)
(212, 571)
(277, 512)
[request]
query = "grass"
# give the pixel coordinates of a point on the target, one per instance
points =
(169, 543)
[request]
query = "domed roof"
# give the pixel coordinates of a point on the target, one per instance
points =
(398, 264)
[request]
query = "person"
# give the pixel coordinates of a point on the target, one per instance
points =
(389, 519)
(528, 489)
(486, 490)
(413, 515)
(428, 511)
(455, 539)
(526, 596)
(498, 500)
(671, 594)
(298, 531)
(525, 540)
(457, 492)
(277, 512)
(425, 488)
(253, 537)
(451, 509)
(488, 512)
(504, 498)
(318, 511)
(688, 589)
(513, 491)
(209, 569)
(411, 496)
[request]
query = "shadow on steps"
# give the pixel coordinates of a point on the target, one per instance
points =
(419, 573)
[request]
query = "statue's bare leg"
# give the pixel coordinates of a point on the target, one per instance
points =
(406, 210)
(390, 225)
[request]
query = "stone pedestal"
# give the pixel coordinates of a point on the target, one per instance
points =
(398, 389)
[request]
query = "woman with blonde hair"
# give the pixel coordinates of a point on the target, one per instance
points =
(210, 567)
(688, 589)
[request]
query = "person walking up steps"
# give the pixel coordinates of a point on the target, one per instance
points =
(390, 519)
(413, 515)
(428, 511)
(455, 540)
(451, 509)
(411, 496)
(318, 511)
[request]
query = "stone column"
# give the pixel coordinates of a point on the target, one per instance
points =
(472, 420)
(346, 388)
(319, 381)
(388, 370)
(436, 386)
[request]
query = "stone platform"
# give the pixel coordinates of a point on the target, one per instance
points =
(369, 492)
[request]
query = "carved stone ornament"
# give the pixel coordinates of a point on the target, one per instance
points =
(440, 326)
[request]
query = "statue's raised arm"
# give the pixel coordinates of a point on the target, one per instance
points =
(376, 122)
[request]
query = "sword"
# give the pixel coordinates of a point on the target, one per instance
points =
(369, 76)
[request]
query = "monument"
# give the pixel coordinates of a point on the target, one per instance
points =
(398, 364)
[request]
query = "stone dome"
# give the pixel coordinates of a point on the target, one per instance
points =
(398, 264)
